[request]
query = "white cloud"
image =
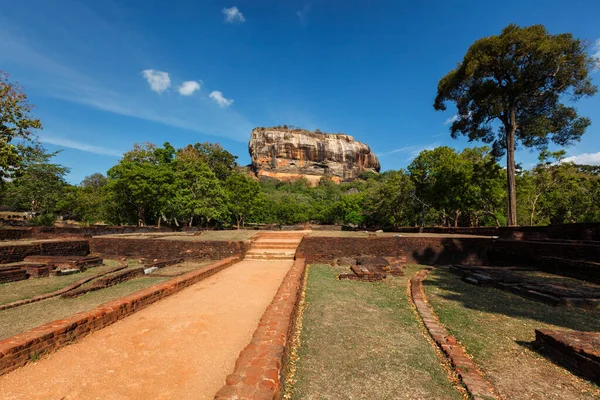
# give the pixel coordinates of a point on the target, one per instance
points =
(400, 150)
(188, 88)
(159, 81)
(232, 14)
(50, 75)
(451, 119)
(88, 148)
(219, 99)
(585, 158)
(596, 55)
(412, 151)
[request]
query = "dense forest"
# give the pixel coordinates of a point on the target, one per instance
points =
(202, 185)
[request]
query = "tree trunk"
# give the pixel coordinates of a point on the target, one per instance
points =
(510, 170)
(457, 214)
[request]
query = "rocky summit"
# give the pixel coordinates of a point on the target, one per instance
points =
(287, 154)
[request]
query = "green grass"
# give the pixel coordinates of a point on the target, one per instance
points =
(496, 328)
(183, 268)
(362, 340)
(19, 319)
(20, 290)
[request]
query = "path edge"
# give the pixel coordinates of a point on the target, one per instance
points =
(259, 372)
(468, 373)
(28, 346)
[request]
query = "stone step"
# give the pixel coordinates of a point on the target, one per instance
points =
(269, 257)
(280, 246)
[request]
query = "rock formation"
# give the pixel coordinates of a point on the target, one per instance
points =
(287, 154)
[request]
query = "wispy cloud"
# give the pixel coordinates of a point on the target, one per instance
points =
(303, 13)
(232, 15)
(73, 144)
(411, 152)
(596, 55)
(219, 99)
(399, 150)
(53, 77)
(451, 119)
(188, 88)
(585, 158)
(159, 81)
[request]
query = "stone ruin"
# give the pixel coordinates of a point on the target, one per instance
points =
(370, 269)
(563, 292)
(43, 266)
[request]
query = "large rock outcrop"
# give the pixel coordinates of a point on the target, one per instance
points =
(287, 154)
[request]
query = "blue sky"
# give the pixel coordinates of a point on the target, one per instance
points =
(107, 74)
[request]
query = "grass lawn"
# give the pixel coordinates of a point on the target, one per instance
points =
(183, 268)
(362, 340)
(19, 319)
(13, 291)
(496, 326)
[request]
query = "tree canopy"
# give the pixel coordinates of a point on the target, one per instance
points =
(511, 89)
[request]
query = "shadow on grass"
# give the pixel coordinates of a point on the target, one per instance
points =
(453, 251)
(496, 301)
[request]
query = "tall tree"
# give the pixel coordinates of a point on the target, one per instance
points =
(17, 141)
(509, 89)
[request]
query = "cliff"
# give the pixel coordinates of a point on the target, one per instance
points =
(287, 154)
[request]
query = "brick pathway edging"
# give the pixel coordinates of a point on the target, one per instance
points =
(468, 373)
(64, 290)
(22, 348)
(259, 369)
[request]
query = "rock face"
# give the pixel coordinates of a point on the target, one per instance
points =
(287, 154)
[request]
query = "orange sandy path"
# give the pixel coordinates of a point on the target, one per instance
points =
(181, 347)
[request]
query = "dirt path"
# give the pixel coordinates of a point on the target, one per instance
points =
(182, 347)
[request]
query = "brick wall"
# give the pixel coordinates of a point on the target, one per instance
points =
(416, 249)
(18, 350)
(7, 233)
(16, 253)
(167, 249)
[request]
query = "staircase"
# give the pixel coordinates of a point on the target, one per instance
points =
(274, 246)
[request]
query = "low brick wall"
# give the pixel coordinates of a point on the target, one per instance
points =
(258, 372)
(8, 233)
(469, 375)
(107, 281)
(18, 350)
(59, 292)
(580, 231)
(167, 249)
(9, 254)
(419, 250)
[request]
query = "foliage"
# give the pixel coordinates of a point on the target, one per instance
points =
(17, 141)
(509, 90)
(39, 186)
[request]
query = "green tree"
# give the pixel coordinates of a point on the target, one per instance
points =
(219, 160)
(242, 192)
(197, 193)
(142, 183)
(17, 141)
(441, 178)
(516, 82)
(39, 187)
(392, 203)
